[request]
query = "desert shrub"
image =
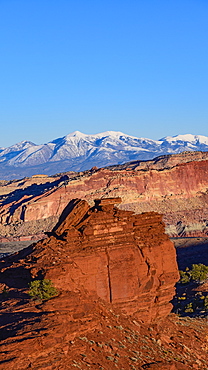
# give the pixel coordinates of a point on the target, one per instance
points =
(184, 277)
(206, 303)
(42, 289)
(189, 308)
(193, 303)
(199, 272)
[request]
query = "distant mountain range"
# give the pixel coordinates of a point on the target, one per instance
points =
(79, 152)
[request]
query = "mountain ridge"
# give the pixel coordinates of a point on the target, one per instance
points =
(78, 152)
(174, 185)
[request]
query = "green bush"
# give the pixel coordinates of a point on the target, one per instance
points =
(198, 273)
(184, 277)
(206, 303)
(189, 308)
(42, 289)
(197, 303)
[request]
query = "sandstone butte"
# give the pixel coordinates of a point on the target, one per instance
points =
(174, 185)
(115, 272)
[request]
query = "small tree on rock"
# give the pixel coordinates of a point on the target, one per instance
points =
(42, 289)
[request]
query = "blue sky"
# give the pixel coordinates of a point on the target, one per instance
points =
(140, 67)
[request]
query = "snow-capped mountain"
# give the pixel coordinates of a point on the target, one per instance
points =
(78, 152)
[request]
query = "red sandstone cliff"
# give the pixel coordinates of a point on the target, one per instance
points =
(115, 272)
(123, 258)
(175, 186)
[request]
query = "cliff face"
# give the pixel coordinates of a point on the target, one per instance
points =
(123, 258)
(175, 186)
(115, 272)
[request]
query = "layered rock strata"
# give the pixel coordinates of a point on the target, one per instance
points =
(175, 186)
(123, 258)
(115, 273)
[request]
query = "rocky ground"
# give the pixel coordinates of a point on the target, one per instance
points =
(46, 336)
(76, 330)
(12, 247)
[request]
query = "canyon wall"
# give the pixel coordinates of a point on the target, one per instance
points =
(175, 186)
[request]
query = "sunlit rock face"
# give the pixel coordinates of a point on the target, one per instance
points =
(175, 186)
(123, 258)
(115, 272)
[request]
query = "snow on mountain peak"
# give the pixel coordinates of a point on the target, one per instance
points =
(202, 139)
(77, 151)
(23, 144)
(113, 134)
(189, 138)
(76, 134)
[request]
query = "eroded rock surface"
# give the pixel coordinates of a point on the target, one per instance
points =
(115, 272)
(174, 185)
(123, 258)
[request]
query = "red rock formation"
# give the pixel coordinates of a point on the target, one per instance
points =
(115, 271)
(73, 331)
(123, 258)
(175, 186)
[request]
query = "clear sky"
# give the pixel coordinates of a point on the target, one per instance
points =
(136, 66)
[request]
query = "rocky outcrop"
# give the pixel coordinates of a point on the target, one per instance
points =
(123, 258)
(175, 186)
(115, 273)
